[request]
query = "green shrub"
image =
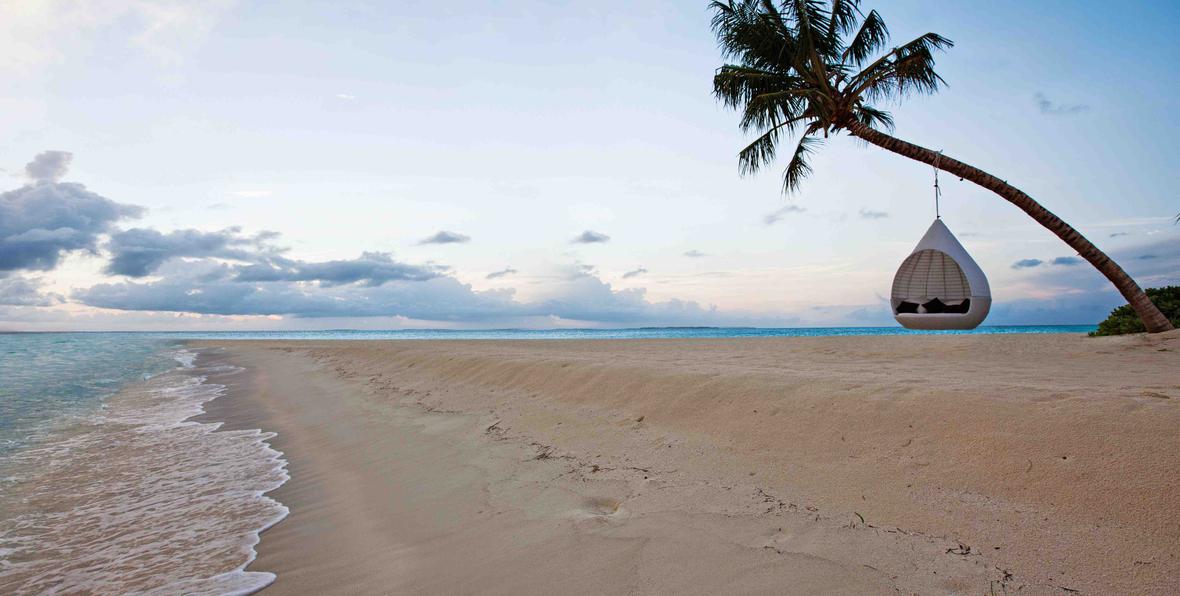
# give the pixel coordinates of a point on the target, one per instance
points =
(1124, 320)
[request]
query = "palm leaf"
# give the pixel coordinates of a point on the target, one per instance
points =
(872, 36)
(842, 19)
(905, 69)
(737, 85)
(798, 168)
(745, 33)
(768, 109)
(763, 149)
(873, 117)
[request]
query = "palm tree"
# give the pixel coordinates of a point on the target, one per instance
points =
(797, 72)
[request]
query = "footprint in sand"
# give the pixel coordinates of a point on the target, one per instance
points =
(601, 510)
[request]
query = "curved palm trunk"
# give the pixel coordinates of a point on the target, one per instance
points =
(1153, 319)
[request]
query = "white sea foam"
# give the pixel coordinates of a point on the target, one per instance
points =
(136, 499)
(186, 358)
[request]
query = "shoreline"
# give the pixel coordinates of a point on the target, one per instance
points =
(504, 466)
(140, 494)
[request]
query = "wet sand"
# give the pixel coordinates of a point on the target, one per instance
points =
(938, 464)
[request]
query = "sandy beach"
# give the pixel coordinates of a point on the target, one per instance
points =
(979, 464)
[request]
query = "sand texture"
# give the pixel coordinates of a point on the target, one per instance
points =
(986, 464)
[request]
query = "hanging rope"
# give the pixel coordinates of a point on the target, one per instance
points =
(937, 190)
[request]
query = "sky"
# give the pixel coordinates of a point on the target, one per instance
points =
(302, 165)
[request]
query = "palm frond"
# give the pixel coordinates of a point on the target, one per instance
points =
(747, 34)
(798, 168)
(736, 85)
(906, 69)
(873, 34)
(842, 18)
(816, 49)
(769, 109)
(774, 16)
(873, 117)
(811, 20)
(763, 149)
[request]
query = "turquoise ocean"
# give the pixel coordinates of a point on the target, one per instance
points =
(107, 486)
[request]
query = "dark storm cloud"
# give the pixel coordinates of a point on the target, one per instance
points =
(590, 237)
(445, 237)
(42, 221)
(140, 251)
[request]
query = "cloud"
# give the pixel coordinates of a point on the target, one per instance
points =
(1117, 234)
(505, 272)
(869, 214)
(1081, 295)
(1049, 107)
(49, 166)
(579, 270)
(140, 251)
(1067, 261)
(21, 291)
(203, 287)
(694, 254)
(778, 215)
(1092, 287)
(370, 269)
(634, 273)
(345, 96)
(1027, 263)
(445, 237)
(590, 237)
(40, 222)
(588, 298)
(1147, 257)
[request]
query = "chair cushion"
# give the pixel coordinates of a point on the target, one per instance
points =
(907, 307)
(935, 306)
(961, 308)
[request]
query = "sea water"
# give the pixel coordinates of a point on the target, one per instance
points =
(630, 333)
(107, 486)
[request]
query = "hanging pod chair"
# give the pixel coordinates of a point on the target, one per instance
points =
(939, 286)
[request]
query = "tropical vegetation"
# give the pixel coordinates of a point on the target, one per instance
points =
(1124, 320)
(814, 68)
